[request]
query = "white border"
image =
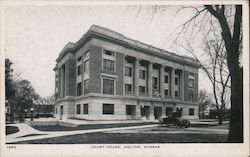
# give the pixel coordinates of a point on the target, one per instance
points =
(165, 149)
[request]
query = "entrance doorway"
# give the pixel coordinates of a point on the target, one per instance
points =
(179, 111)
(157, 112)
(145, 112)
(61, 112)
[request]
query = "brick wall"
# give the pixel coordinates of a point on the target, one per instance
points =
(95, 69)
(119, 73)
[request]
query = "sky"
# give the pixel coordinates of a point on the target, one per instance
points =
(35, 35)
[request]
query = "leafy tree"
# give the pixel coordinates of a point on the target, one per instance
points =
(19, 93)
(25, 96)
(9, 82)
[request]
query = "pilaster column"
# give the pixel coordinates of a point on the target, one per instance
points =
(150, 71)
(137, 69)
(61, 82)
(172, 83)
(162, 81)
(82, 71)
(182, 85)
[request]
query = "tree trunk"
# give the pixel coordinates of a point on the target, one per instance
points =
(220, 116)
(236, 73)
(236, 118)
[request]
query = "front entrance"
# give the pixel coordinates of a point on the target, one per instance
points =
(145, 112)
(157, 112)
(179, 111)
(61, 112)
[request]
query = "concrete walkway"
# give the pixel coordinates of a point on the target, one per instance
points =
(164, 130)
(24, 129)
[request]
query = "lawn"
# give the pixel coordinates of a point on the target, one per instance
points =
(125, 138)
(11, 130)
(88, 126)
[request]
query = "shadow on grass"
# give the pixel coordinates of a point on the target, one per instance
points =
(88, 126)
(30, 135)
(11, 130)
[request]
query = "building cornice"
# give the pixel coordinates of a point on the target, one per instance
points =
(112, 36)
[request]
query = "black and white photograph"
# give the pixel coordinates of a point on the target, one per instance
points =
(170, 78)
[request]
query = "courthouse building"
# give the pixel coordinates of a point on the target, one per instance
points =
(107, 76)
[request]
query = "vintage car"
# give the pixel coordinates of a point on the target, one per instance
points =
(174, 119)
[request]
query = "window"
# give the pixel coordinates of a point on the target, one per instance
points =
(78, 109)
(176, 81)
(166, 92)
(142, 89)
(142, 74)
(79, 70)
(86, 54)
(108, 65)
(128, 88)
(79, 59)
(176, 94)
(86, 86)
(128, 71)
(191, 80)
(85, 108)
(108, 109)
(79, 89)
(166, 78)
(191, 111)
(108, 86)
(191, 96)
(155, 83)
(86, 66)
(110, 53)
(129, 109)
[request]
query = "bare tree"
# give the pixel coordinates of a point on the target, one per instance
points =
(215, 68)
(228, 19)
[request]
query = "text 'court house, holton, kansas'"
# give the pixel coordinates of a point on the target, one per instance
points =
(107, 76)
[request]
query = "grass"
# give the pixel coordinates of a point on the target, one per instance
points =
(125, 138)
(11, 130)
(88, 126)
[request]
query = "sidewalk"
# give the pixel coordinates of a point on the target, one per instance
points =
(26, 130)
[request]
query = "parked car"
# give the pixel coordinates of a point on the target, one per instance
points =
(174, 119)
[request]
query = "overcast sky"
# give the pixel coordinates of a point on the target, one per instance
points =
(36, 34)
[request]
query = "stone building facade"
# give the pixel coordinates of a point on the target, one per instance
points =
(107, 76)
